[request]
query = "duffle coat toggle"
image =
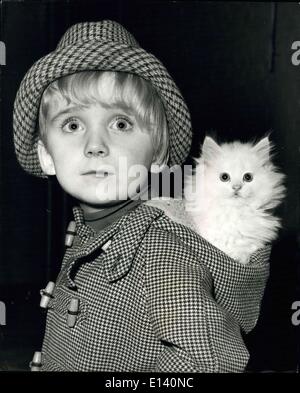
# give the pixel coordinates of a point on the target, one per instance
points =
(70, 234)
(73, 311)
(117, 257)
(36, 363)
(47, 294)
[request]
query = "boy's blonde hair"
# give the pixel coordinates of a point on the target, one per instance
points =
(129, 92)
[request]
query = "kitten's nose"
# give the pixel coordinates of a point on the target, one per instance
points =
(237, 186)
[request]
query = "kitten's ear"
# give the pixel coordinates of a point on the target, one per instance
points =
(210, 149)
(263, 148)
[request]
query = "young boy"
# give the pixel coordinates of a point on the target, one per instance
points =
(136, 291)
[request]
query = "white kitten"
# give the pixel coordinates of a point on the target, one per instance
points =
(231, 194)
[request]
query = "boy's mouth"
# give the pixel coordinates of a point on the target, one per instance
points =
(97, 173)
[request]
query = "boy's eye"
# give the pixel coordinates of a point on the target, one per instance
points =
(121, 124)
(71, 125)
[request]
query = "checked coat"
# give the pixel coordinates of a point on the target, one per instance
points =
(153, 297)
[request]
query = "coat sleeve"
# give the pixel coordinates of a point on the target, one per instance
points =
(197, 333)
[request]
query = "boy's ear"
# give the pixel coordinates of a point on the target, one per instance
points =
(45, 159)
(156, 168)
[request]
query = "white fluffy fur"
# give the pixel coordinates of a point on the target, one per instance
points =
(238, 222)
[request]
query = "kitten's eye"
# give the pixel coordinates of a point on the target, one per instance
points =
(248, 177)
(224, 177)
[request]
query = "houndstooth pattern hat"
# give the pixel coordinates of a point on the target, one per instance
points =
(90, 46)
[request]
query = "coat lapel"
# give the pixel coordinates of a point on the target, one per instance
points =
(124, 235)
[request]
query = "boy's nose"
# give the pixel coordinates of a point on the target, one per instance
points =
(95, 146)
(96, 150)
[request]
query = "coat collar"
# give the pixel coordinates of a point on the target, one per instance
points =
(125, 235)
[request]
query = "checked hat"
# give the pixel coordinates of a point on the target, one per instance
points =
(91, 46)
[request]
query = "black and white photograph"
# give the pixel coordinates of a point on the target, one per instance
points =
(150, 189)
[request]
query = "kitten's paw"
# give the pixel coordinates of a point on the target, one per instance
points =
(243, 259)
(240, 257)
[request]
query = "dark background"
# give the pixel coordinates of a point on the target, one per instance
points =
(232, 62)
